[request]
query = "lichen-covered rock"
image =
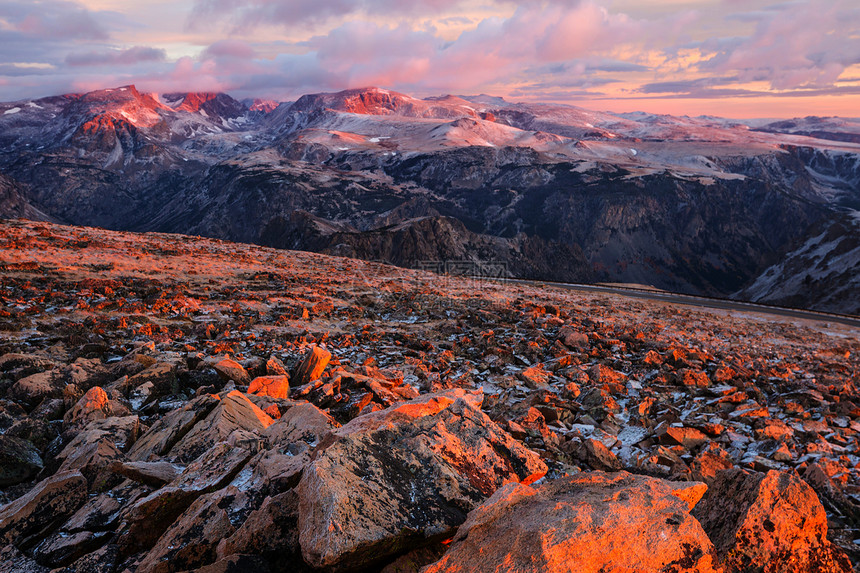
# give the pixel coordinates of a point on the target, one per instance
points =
(164, 434)
(155, 474)
(588, 523)
(32, 389)
(772, 521)
(49, 501)
(13, 561)
(233, 413)
(152, 515)
(62, 548)
(271, 532)
(193, 538)
(19, 460)
(291, 439)
(404, 477)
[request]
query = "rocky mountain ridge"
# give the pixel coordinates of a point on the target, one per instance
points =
(694, 205)
(170, 403)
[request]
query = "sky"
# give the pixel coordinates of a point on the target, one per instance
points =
(732, 58)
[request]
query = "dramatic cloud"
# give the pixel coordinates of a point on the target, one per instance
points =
(579, 51)
(795, 45)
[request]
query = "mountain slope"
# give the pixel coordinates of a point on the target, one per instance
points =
(697, 205)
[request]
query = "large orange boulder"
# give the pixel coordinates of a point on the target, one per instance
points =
(404, 477)
(272, 386)
(773, 523)
(588, 523)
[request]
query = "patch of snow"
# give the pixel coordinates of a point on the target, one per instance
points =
(34, 104)
(122, 89)
(633, 151)
(12, 110)
(203, 113)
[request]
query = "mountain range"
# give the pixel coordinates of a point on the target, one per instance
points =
(763, 210)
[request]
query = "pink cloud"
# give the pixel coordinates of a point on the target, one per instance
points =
(52, 20)
(795, 45)
(231, 48)
(246, 14)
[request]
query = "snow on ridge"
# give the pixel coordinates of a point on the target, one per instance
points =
(12, 110)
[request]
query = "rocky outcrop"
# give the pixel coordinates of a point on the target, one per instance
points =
(773, 520)
(437, 397)
(19, 460)
(23, 522)
(404, 477)
(588, 523)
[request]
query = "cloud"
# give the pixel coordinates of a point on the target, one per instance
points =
(685, 86)
(248, 14)
(801, 44)
(51, 20)
(117, 57)
(229, 49)
(496, 49)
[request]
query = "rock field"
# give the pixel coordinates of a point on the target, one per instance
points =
(172, 403)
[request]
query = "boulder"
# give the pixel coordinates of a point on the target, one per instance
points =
(229, 369)
(270, 532)
(588, 523)
(597, 455)
(13, 561)
(312, 366)
(91, 453)
(771, 520)
(404, 477)
(234, 412)
(50, 500)
(62, 548)
(193, 538)
(32, 389)
(291, 439)
(573, 338)
(99, 513)
(161, 375)
(94, 405)
(277, 386)
(99, 444)
(682, 436)
(150, 516)
(164, 434)
(19, 460)
(155, 474)
(16, 366)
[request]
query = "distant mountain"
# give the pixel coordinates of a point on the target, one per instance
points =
(831, 128)
(697, 205)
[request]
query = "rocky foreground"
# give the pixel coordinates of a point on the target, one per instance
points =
(179, 404)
